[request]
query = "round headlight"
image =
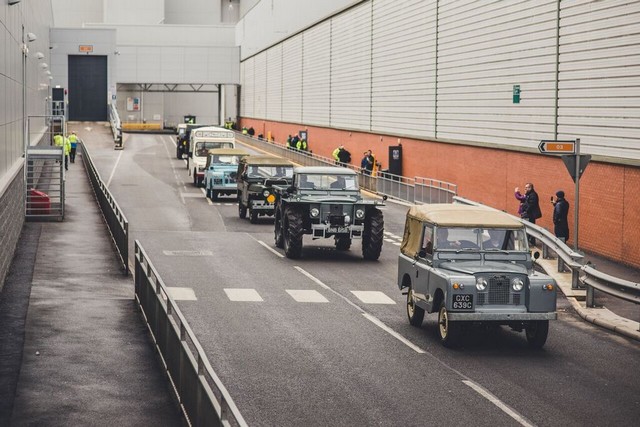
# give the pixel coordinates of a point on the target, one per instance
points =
(314, 212)
(359, 213)
(517, 284)
(481, 283)
(265, 193)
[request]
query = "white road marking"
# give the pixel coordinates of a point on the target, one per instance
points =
(503, 406)
(238, 294)
(113, 171)
(389, 240)
(373, 297)
(396, 243)
(198, 195)
(391, 235)
(368, 316)
(181, 294)
(306, 295)
(270, 248)
(393, 333)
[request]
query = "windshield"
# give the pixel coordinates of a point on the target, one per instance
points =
(202, 148)
(217, 159)
(489, 239)
(327, 182)
(255, 171)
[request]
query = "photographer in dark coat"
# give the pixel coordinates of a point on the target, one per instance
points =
(530, 207)
(560, 213)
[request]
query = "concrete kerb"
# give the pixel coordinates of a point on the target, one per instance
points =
(599, 316)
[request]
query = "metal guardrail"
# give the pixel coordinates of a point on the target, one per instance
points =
(116, 221)
(413, 190)
(116, 125)
(591, 278)
(203, 398)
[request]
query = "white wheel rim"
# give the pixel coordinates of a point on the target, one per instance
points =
(443, 323)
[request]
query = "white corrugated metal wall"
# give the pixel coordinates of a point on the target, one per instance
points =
(260, 86)
(274, 83)
(599, 83)
(247, 89)
(316, 68)
(446, 70)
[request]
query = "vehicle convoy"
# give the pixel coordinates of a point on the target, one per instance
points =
(182, 139)
(472, 264)
(221, 172)
(325, 201)
(200, 142)
(256, 177)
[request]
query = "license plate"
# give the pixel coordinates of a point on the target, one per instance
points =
(338, 229)
(462, 302)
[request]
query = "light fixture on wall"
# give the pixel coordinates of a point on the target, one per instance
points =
(44, 65)
(12, 2)
(48, 72)
(230, 5)
(117, 52)
(31, 37)
(39, 55)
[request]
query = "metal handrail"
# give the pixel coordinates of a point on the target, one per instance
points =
(203, 398)
(117, 223)
(116, 125)
(591, 278)
(383, 183)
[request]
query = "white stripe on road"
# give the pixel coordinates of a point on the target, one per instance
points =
(373, 297)
(269, 247)
(500, 404)
(367, 316)
(114, 169)
(181, 294)
(306, 295)
(238, 294)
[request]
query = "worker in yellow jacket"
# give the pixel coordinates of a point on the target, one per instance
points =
(67, 151)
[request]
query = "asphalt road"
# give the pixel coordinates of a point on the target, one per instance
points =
(325, 340)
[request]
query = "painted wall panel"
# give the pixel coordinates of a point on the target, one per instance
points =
(484, 49)
(260, 86)
(316, 68)
(247, 93)
(403, 68)
(351, 69)
(599, 79)
(292, 80)
(274, 83)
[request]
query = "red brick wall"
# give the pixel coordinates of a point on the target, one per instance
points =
(609, 200)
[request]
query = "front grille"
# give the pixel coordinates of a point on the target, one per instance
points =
(499, 292)
(336, 220)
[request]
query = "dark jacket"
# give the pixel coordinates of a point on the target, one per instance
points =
(344, 156)
(560, 223)
(531, 209)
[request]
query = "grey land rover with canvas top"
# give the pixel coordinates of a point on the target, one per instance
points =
(325, 201)
(472, 264)
(256, 177)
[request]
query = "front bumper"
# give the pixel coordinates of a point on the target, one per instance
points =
(501, 317)
(319, 231)
(262, 205)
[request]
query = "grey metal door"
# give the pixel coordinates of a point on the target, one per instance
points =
(88, 88)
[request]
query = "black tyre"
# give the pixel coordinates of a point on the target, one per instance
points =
(373, 235)
(343, 243)
(253, 216)
(208, 193)
(279, 237)
(195, 179)
(214, 195)
(537, 332)
(242, 210)
(178, 153)
(414, 313)
(448, 331)
(293, 231)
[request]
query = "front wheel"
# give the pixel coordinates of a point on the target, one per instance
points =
(279, 237)
(293, 231)
(372, 235)
(537, 332)
(415, 313)
(242, 210)
(253, 216)
(448, 331)
(343, 243)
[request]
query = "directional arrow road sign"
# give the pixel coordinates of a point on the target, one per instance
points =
(557, 147)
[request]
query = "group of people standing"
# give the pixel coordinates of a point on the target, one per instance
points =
(296, 143)
(529, 210)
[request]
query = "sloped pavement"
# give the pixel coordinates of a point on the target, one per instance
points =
(87, 357)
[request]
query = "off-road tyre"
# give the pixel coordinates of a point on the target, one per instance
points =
(414, 313)
(278, 234)
(448, 331)
(373, 234)
(214, 195)
(195, 179)
(537, 332)
(253, 216)
(242, 210)
(343, 243)
(293, 231)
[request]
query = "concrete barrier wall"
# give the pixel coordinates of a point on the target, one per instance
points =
(11, 221)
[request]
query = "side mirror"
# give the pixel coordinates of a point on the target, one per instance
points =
(536, 255)
(422, 253)
(384, 197)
